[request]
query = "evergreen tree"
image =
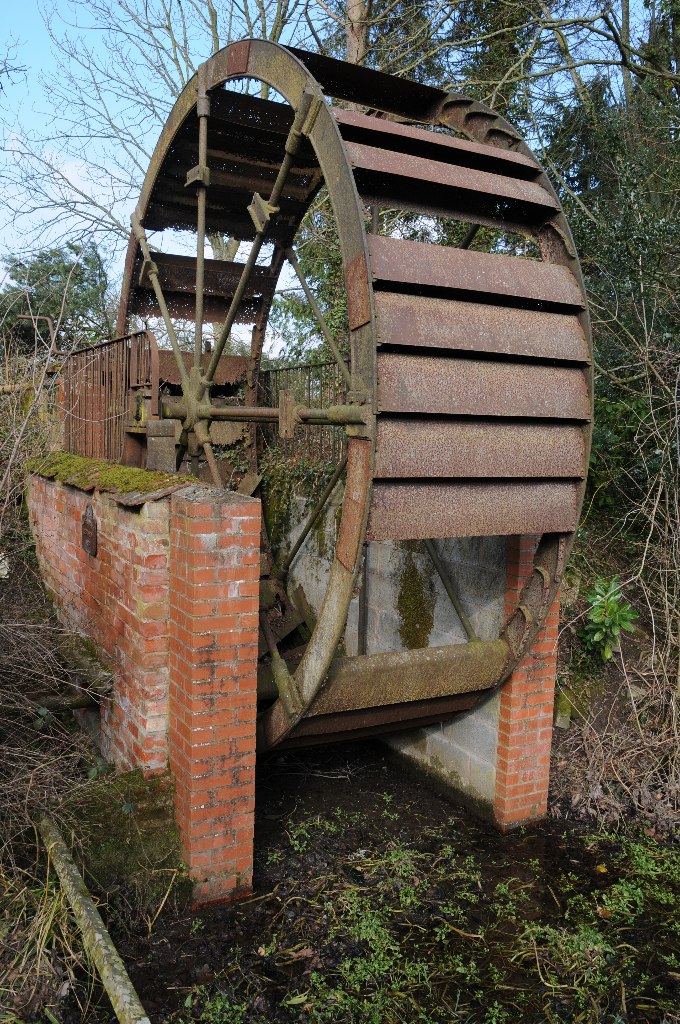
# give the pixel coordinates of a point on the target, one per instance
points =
(68, 285)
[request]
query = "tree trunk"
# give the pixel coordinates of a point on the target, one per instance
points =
(358, 13)
(625, 39)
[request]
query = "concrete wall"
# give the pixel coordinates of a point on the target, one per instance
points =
(480, 754)
(404, 591)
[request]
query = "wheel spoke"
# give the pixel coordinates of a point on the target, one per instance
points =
(451, 591)
(202, 177)
(262, 212)
(203, 438)
(325, 330)
(152, 271)
(469, 237)
(315, 513)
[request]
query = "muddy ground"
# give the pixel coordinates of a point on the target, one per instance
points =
(377, 900)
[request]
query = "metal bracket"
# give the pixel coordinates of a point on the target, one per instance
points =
(314, 107)
(261, 212)
(309, 107)
(287, 416)
(198, 175)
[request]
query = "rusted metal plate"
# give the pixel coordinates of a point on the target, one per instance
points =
(480, 387)
(241, 127)
(354, 725)
(369, 88)
(427, 322)
(177, 273)
(421, 180)
(395, 262)
(358, 299)
(179, 211)
(237, 57)
(435, 145)
(243, 111)
(396, 677)
(178, 280)
(89, 531)
(183, 306)
(354, 505)
(418, 511)
(464, 448)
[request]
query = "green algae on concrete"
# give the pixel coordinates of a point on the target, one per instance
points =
(84, 473)
(415, 604)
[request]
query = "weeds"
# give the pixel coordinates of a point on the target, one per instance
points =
(608, 616)
(418, 928)
(620, 755)
(40, 951)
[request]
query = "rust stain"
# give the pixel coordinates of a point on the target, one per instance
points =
(410, 139)
(461, 448)
(358, 298)
(419, 172)
(395, 261)
(350, 725)
(424, 511)
(455, 325)
(480, 387)
(237, 58)
(356, 494)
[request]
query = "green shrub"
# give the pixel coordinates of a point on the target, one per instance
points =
(607, 617)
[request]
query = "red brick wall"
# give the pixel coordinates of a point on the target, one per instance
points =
(526, 708)
(214, 585)
(120, 600)
(171, 599)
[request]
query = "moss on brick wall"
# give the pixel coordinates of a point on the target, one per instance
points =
(104, 476)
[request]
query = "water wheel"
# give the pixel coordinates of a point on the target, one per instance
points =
(468, 382)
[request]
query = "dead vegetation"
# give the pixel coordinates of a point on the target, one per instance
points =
(619, 758)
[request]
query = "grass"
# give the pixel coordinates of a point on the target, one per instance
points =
(40, 953)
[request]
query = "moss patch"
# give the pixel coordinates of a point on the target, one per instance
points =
(284, 478)
(415, 604)
(104, 476)
(129, 846)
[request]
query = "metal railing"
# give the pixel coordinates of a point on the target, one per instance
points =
(100, 382)
(315, 386)
(99, 393)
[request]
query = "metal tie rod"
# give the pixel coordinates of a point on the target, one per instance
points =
(450, 590)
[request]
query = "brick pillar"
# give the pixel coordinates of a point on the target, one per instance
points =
(214, 581)
(526, 708)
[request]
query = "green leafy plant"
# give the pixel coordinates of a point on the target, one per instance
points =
(607, 617)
